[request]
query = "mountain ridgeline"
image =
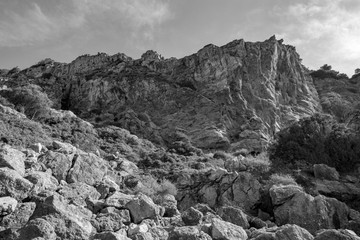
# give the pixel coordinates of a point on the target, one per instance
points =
(231, 97)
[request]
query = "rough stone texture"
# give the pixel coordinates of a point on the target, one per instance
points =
(12, 158)
(78, 192)
(234, 215)
(292, 232)
(192, 217)
(7, 205)
(280, 193)
(69, 221)
(42, 181)
(119, 200)
(336, 235)
(13, 184)
(311, 213)
(110, 236)
(221, 230)
(142, 207)
(19, 217)
(188, 233)
(169, 202)
(235, 95)
(87, 168)
(111, 219)
(37, 228)
(215, 186)
(322, 171)
(58, 162)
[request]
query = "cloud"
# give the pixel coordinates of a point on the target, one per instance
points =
(41, 22)
(327, 30)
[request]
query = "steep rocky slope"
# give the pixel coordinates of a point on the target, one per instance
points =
(142, 161)
(237, 95)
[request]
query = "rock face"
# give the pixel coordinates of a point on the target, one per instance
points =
(237, 95)
(312, 213)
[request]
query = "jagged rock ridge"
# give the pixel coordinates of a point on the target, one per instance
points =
(237, 95)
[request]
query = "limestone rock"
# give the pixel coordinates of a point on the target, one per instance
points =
(188, 233)
(111, 219)
(13, 184)
(292, 232)
(37, 228)
(336, 234)
(42, 181)
(280, 194)
(110, 236)
(234, 215)
(191, 217)
(19, 217)
(78, 192)
(87, 168)
(7, 205)
(312, 213)
(69, 221)
(58, 162)
(142, 207)
(119, 200)
(169, 202)
(322, 171)
(222, 230)
(12, 158)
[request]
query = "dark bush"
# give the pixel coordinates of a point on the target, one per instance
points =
(317, 139)
(29, 99)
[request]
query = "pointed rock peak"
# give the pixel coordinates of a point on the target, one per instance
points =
(272, 39)
(151, 55)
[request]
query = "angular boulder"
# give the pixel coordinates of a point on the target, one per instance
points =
(323, 171)
(13, 184)
(221, 230)
(192, 217)
(59, 163)
(292, 232)
(19, 217)
(7, 205)
(87, 168)
(12, 158)
(188, 233)
(311, 213)
(142, 207)
(69, 221)
(234, 215)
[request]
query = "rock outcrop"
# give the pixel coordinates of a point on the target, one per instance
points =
(237, 95)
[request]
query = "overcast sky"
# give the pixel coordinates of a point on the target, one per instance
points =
(323, 31)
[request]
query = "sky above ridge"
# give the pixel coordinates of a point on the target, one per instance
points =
(323, 31)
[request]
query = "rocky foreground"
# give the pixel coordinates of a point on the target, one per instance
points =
(143, 161)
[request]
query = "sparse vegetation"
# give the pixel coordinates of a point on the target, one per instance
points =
(258, 164)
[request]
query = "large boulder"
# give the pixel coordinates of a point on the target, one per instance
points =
(12, 158)
(323, 171)
(7, 205)
(38, 229)
(142, 207)
(304, 210)
(69, 221)
(43, 181)
(59, 163)
(188, 233)
(13, 184)
(78, 192)
(332, 234)
(234, 215)
(192, 217)
(111, 219)
(221, 230)
(19, 217)
(292, 232)
(87, 168)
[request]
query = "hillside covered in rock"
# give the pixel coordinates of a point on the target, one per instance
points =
(233, 142)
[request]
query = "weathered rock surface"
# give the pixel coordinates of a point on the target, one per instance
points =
(234, 215)
(311, 213)
(7, 205)
(192, 217)
(142, 207)
(236, 95)
(13, 184)
(12, 158)
(227, 231)
(188, 233)
(336, 234)
(322, 171)
(19, 217)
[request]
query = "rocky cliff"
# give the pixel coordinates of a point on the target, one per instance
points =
(235, 96)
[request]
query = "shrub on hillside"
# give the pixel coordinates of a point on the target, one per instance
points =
(317, 139)
(258, 164)
(29, 99)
